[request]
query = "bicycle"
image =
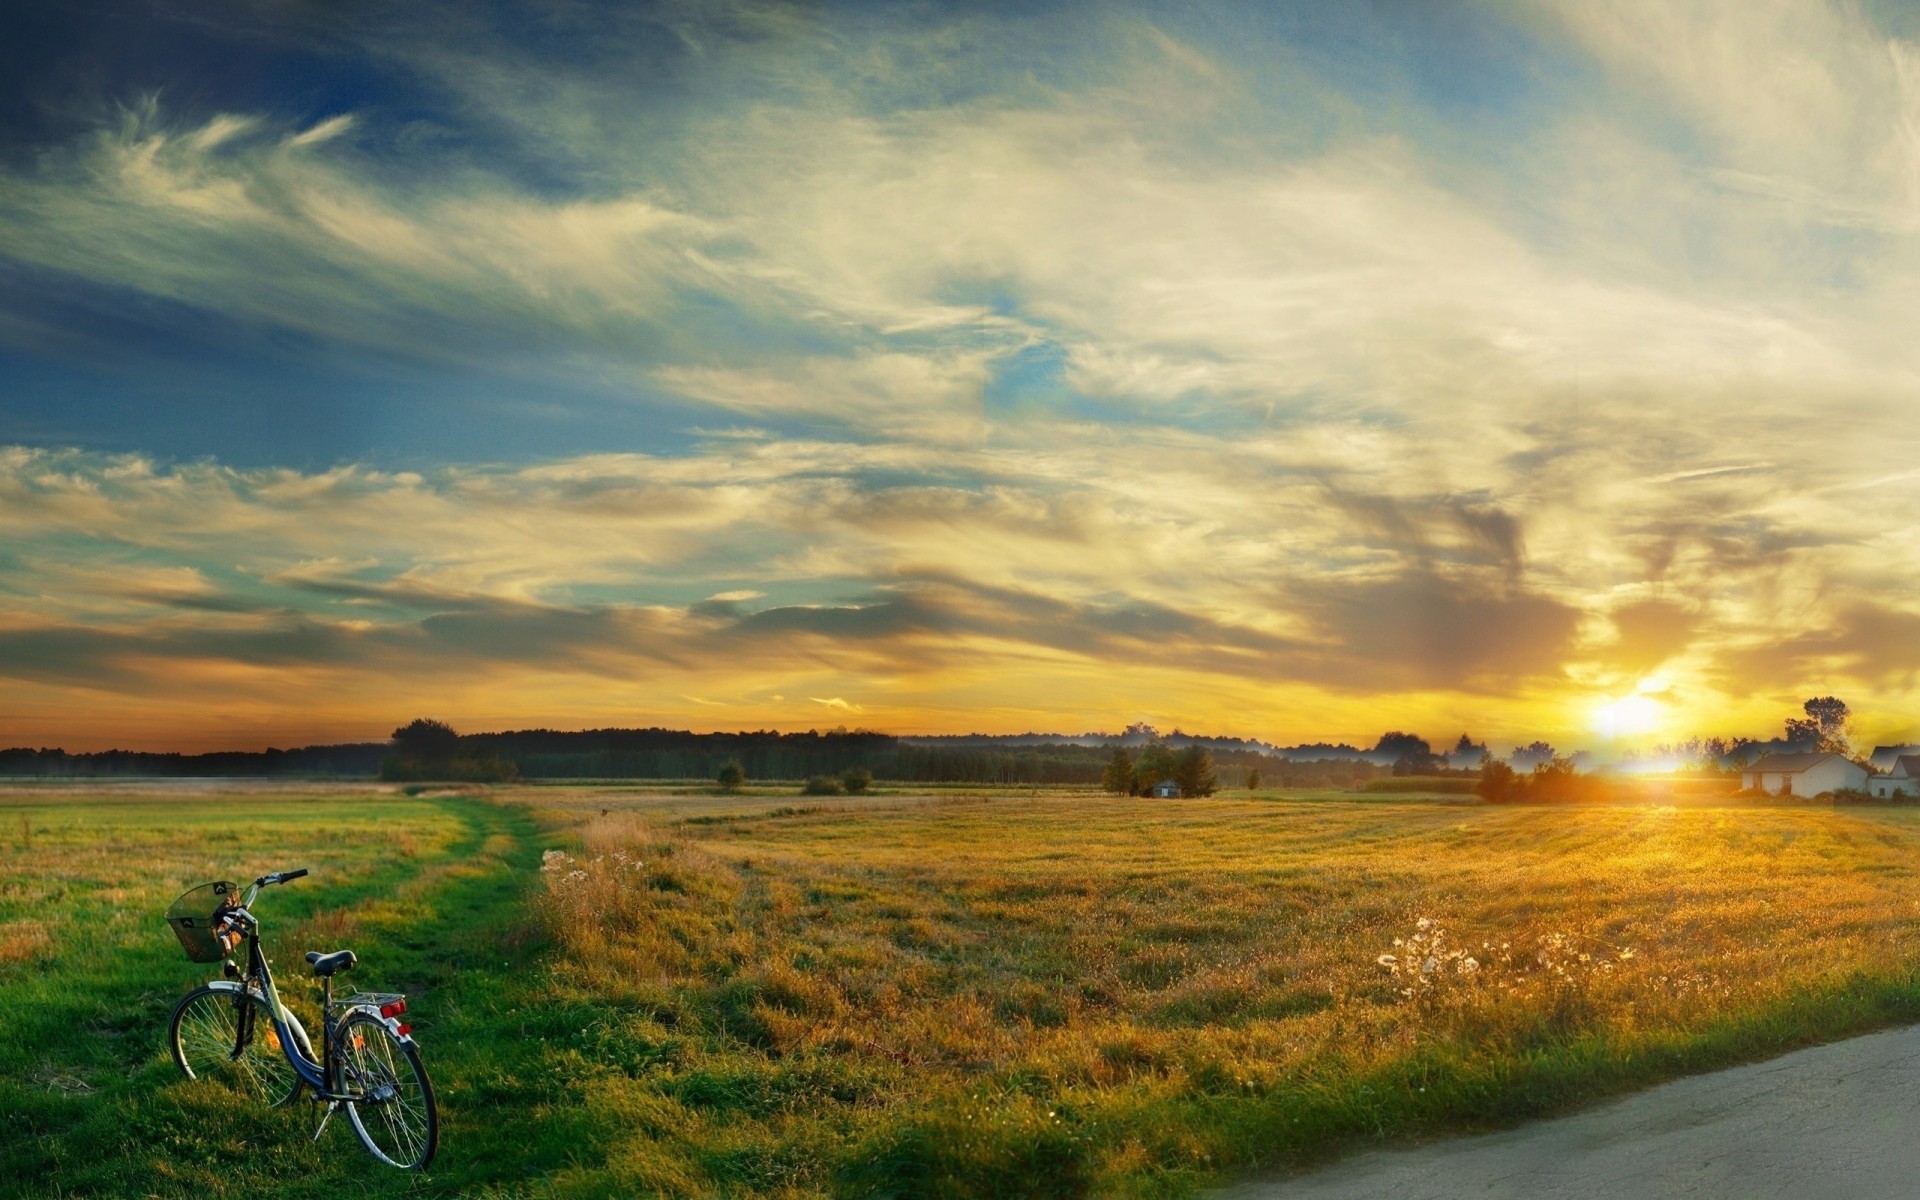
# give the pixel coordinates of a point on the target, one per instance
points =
(237, 1029)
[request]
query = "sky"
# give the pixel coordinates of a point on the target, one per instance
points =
(1290, 371)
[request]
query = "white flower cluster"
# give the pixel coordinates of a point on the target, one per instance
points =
(554, 862)
(1425, 957)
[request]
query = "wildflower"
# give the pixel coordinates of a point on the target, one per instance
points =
(1626, 953)
(1426, 968)
(1387, 960)
(1424, 923)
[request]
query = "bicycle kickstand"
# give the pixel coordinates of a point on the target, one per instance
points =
(324, 1118)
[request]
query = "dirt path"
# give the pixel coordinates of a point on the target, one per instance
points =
(1839, 1121)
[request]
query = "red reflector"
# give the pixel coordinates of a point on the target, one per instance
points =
(394, 1009)
(404, 1030)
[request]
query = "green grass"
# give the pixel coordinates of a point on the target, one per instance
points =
(939, 994)
(429, 893)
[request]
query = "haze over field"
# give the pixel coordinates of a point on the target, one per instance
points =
(1281, 371)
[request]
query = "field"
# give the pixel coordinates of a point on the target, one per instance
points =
(623, 991)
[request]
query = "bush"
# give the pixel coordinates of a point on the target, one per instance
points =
(856, 780)
(731, 775)
(823, 785)
(1498, 782)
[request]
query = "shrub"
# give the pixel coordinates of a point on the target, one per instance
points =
(1498, 782)
(731, 775)
(856, 780)
(823, 785)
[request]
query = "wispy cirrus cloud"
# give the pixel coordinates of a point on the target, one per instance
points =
(1051, 366)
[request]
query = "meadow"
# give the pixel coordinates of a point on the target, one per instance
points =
(625, 991)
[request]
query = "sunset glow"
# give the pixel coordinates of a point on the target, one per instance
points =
(1294, 372)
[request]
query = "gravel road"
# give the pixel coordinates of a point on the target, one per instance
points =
(1840, 1121)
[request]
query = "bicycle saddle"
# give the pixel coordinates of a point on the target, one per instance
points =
(327, 964)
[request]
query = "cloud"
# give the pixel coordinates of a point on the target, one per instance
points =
(1046, 363)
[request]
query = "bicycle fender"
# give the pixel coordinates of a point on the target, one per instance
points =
(392, 1023)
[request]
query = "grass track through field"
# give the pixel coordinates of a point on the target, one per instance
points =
(91, 1105)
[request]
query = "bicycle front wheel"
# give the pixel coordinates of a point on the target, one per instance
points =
(392, 1108)
(229, 1037)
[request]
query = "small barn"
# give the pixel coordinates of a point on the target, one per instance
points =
(1166, 789)
(1803, 774)
(1904, 778)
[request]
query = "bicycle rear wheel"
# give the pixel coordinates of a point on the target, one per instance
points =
(204, 1032)
(394, 1111)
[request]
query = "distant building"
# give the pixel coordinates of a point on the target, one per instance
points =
(1884, 758)
(1166, 789)
(1904, 778)
(1803, 774)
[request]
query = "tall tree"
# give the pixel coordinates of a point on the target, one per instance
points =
(425, 740)
(1155, 763)
(1118, 778)
(1825, 727)
(1193, 771)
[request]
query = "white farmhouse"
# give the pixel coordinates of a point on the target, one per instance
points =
(1905, 777)
(1803, 774)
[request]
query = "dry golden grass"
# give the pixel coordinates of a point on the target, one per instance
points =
(1123, 995)
(23, 940)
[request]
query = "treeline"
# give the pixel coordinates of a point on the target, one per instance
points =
(679, 754)
(351, 759)
(431, 750)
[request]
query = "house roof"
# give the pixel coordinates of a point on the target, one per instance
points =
(1884, 757)
(1907, 766)
(1790, 764)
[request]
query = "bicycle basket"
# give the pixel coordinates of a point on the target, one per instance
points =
(193, 916)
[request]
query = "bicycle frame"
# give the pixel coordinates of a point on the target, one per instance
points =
(292, 1035)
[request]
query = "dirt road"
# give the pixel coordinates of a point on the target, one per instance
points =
(1839, 1121)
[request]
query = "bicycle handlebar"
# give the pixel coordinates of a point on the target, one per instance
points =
(280, 877)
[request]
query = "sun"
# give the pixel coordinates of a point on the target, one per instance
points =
(1629, 717)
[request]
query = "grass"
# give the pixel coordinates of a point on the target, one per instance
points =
(980, 997)
(945, 994)
(428, 892)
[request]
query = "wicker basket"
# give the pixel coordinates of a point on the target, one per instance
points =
(193, 917)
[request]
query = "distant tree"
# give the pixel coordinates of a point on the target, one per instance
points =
(1498, 782)
(1154, 764)
(731, 775)
(1400, 745)
(856, 780)
(1193, 770)
(426, 749)
(1118, 778)
(425, 740)
(823, 785)
(1825, 727)
(1253, 779)
(1555, 780)
(1467, 745)
(1531, 754)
